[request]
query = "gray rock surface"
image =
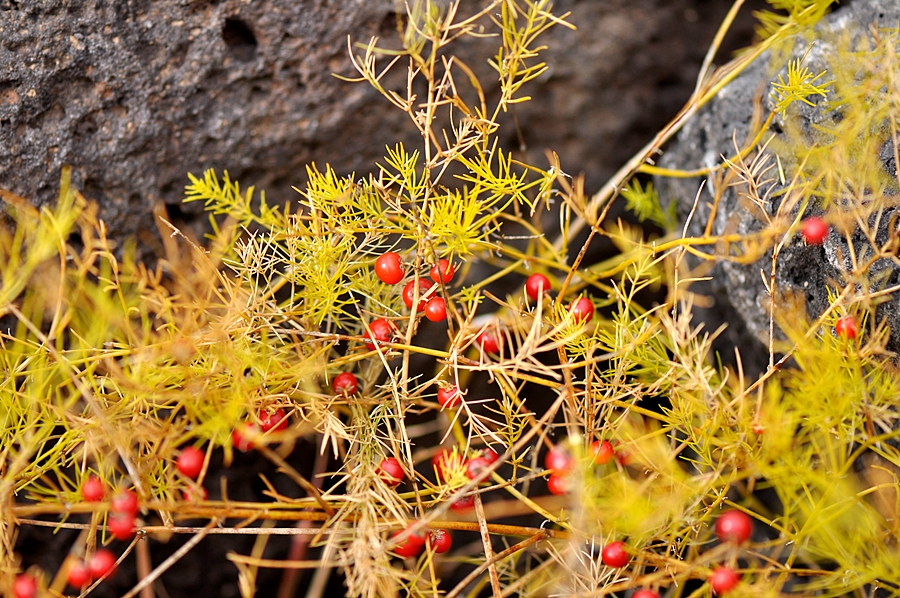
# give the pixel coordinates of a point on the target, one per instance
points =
(742, 299)
(136, 93)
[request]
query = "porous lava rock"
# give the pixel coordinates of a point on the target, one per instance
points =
(135, 94)
(803, 270)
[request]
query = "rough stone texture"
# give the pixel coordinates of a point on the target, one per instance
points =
(739, 291)
(134, 94)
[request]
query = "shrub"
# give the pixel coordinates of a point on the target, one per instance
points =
(114, 369)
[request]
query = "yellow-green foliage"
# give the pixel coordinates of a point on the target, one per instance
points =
(801, 84)
(111, 367)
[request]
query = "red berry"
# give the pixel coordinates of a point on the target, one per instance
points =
(242, 436)
(79, 574)
(445, 268)
(464, 504)
(489, 340)
(103, 563)
(25, 586)
(603, 451)
(723, 580)
(411, 546)
(446, 463)
(559, 460)
(379, 330)
(121, 526)
(623, 456)
(388, 268)
(345, 383)
(645, 593)
(558, 485)
(490, 454)
(190, 462)
(814, 230)
(449, 397)
(195, 493)
(436, 309)
(391, 471)
(615, 555)
(440, 541)
(476, 466)
(537, 285)
(846, 327)
(92, 489)
(582, 310)
(277, 421)
(409, 291)
(125, 502)
(734, 526)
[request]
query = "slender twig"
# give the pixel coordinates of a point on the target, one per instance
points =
(295, 475)
(174, 558)
(488, 549)
(144, 567)
(499, 529)
(496, 558)
(280, 563)
(85, 393)
(288, 586)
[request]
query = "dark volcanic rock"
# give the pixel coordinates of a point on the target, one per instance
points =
(135, 94)
(806, 271)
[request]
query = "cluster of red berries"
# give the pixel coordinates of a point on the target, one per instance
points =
(438, 540)
(80, 573)
(245, 436)
(190, 464)
(814, 231)
(123, 507)
(123, 510)
(733, 527)
(389, 269)
(490, 340)
(391, 471)
(582, 309)
(100, 565)
(446, 463)
(560, 461)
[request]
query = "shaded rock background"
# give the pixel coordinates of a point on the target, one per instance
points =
(807, 271)
(134, 94)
